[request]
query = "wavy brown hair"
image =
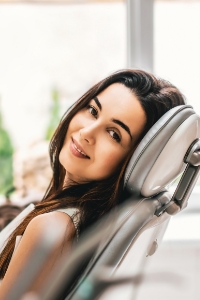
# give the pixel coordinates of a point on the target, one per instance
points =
(96, 198)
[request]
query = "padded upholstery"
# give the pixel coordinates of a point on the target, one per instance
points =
(158, 159)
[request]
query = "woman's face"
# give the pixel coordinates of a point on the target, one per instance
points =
(101, 135)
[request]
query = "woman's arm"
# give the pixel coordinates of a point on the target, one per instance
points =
(33, 233)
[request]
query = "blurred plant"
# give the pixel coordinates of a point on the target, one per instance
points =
(6, 160)
(54, 114)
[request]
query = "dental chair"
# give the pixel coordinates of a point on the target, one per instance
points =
(117, 248)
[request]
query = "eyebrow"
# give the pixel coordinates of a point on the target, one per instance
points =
(98, 103)
(124, 126)
(120, 123)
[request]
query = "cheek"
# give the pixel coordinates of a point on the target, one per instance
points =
(112, 159)
(73, 124)
(110, 162)
(62, 156)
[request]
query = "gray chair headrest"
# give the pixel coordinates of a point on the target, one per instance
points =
(159, 157)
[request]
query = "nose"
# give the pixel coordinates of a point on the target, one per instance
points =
(88, 134)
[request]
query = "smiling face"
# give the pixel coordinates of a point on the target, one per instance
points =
(101, 135)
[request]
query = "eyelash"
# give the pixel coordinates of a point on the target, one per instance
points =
(92, 108)
(117, 138)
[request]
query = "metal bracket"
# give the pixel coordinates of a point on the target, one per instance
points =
(187, 182)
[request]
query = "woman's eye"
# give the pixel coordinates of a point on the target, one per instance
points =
(115, 136)
(92, 111)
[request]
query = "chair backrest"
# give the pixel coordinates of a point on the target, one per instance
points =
(159, 158)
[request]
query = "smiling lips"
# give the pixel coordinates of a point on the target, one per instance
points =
(77, 150)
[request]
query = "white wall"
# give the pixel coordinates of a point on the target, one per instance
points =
(73, 46)
(67, 46)
(177, 46)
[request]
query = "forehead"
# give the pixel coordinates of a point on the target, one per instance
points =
(119, 102)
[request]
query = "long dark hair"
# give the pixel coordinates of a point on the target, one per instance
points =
(96, 198)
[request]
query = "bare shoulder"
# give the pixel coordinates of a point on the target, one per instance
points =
(59, 223)
(54, 218)
(57, 220)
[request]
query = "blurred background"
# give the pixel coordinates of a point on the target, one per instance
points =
(51, 52)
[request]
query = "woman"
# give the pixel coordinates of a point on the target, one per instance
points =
(89, 153)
